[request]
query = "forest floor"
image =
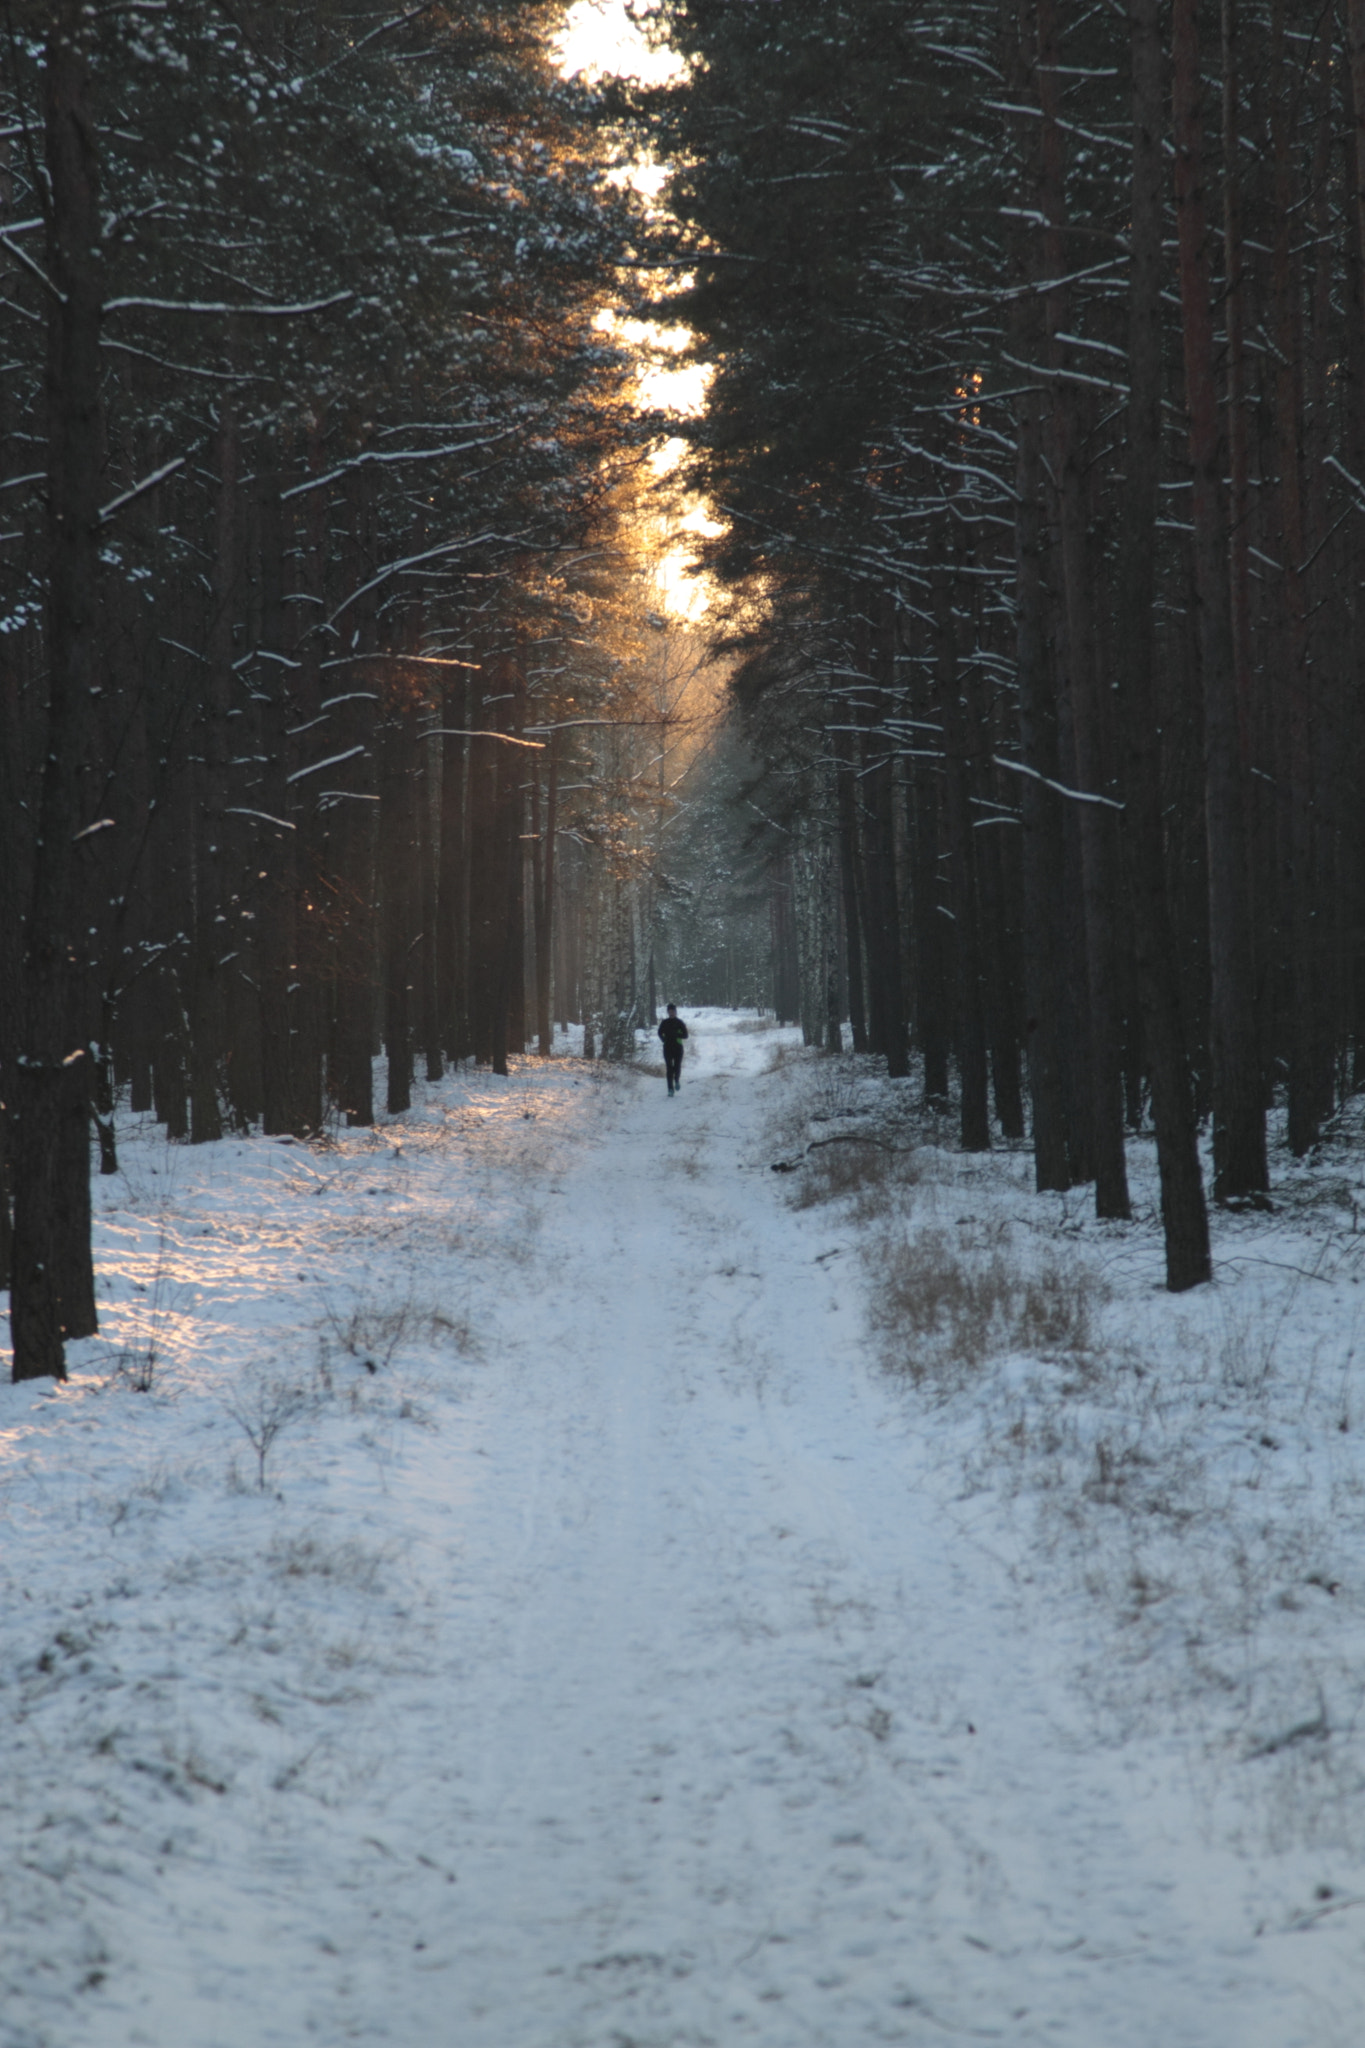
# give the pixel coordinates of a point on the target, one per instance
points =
(532, 1576)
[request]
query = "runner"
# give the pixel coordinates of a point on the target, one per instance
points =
(673, 1031)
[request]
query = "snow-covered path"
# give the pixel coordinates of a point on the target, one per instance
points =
(643, 1681)
(760, 1747)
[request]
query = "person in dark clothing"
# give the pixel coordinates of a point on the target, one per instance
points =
(673, 1031)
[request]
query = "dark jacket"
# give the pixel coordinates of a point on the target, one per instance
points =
(673, 1031)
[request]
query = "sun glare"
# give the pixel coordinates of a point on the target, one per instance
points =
(678, 388)
(600, 39)
(685, 594)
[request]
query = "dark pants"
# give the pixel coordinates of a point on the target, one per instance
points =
(673, 1066)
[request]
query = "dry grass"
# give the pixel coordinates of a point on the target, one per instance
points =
(866, 1171)
(783, 1055)
(264, 1407)
(942, 1307)
(1199, 1474)
(372, 1335)
(348, 1563)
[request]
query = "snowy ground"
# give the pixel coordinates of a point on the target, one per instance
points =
(685, 1604)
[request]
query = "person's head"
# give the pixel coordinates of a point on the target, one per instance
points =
(672, 1009)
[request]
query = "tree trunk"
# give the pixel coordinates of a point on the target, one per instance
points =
(1183, 1212)
(1239, 1150)
(6, 1201)
(1306, 1105)
(932, 930)
(485, 888)
(452, 896)
(52, 1284)
(971, 1030)
(211, 853)
(311, 552)
(1002, 984)
(398, 863)
(277, 923)
(353, 831)
(833, 1011)
(1353, 87)
(428, 1012)
(545, 946)
(875, 658)
(1239, 552)
(1096, 821)
(1043, 850)
(848, 883)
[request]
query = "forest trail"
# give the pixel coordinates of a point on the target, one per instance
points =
(650, 1683)
(760, 1746)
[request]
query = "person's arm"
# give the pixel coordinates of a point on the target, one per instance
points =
(682, 1028)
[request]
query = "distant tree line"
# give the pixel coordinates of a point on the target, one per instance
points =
(1037, 428)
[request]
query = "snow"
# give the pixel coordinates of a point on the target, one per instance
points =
(628, 1647)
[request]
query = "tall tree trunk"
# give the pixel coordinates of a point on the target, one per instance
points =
(833, 1036)
(452, 894)
(398, 865)
(1239, 508)
(277, 923)
(848, 883)
(1329, 619)
(208, 942)
(545, 933)
(52, 1294)
(1183, 1212)
(354, 829)
(516, 826)
(1002, 984)
(485, 885)
(881, 801)
(312, 548)
(6, 1201)
(932, 930)
(1043, 850)
(1239, 1149)
(1243, 512)
(971, 1028)
(428, 1012)
(495, 882)
(874, 641)
(1306, 1106)
(1075, 963)
(1353, 86)
(1096, 821)
(172, 911)
(14, 897)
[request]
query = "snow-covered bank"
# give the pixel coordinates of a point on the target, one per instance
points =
(617, 1653)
